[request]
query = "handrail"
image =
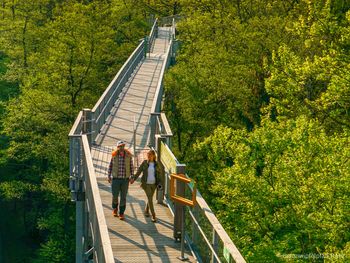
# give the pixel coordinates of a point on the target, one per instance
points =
(167, 130)
(167, 20)
(84, 187)
(103, 253)
(116, 78)
(217, 227)
(106, 102)
(83, 184)
(204, 236)
(155, 109)
(169, 162)
(158, 94)
(152, 34)
(173, 28)
(77, 126)
(157, 98)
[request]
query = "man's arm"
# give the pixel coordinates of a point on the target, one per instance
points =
(131, 167)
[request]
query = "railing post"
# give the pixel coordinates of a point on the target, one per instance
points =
(195, 213)
(79, 207)
(94, 130)
(174, 48)
(134, 144)
(178, 208)
(88, 240)
(82, 230)
(183, 225)
(87, 124)
(73, 168)
(215, 246)
(160, 192)
(153, 127)
(146, 46)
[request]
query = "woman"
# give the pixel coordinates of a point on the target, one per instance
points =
(151, 173)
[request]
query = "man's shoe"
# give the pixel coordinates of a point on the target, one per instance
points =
(121, 217)
(154, 219)
(115, 212)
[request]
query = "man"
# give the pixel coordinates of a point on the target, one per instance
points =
(120, 170)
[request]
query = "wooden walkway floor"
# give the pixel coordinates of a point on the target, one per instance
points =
(137, 238)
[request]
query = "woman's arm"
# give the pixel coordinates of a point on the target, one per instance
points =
(139, 170)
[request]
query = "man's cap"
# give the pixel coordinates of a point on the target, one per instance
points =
(119, 143)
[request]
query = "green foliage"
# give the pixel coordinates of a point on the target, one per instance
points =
(220, 72)
(62, 55)
(286, 192)
(160, 8)
(37, 122)
(55, 251)
(15, 190)
(260, 88)
(259, 103)
(314, 80)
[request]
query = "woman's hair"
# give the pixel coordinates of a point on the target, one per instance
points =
(153, 153)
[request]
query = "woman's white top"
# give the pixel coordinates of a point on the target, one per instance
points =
(151, 178)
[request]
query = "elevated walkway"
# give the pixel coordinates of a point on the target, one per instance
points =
(130, 110)
(137, 238)
(133, 107)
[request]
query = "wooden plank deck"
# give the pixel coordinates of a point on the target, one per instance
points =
(137, 238)
(136, 100)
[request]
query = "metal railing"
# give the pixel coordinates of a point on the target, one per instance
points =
(107, 101)
(156, 105)
(204, 233)
(104, 105)
(153, 34)
(91, 228)
(168, 20)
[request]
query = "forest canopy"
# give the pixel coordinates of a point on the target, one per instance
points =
(259, 104)
(258, 100)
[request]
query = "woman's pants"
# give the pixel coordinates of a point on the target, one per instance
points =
(150, 189)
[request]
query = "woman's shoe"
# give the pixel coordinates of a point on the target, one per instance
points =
(154, 219)
(146, 213)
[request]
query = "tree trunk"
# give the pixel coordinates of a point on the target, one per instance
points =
(24, 44)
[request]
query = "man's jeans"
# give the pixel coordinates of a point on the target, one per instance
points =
(119, 186)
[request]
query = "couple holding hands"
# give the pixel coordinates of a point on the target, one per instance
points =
(121, 173)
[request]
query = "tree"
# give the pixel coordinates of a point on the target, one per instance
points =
(62, 54)
(220, 73)
(259, 99)
(284, 191)
(315, 79)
